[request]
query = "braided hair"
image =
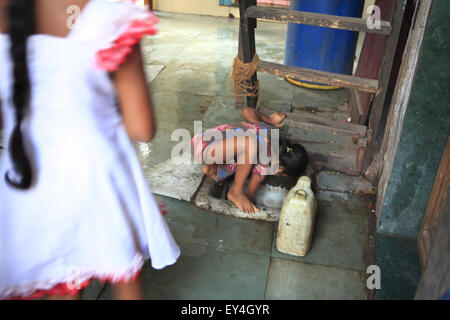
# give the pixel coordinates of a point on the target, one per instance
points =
(21, 26)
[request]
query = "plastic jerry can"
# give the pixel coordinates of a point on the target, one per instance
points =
(297, 219)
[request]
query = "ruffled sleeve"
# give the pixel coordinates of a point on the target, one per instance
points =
(112, 29)
(111, 57)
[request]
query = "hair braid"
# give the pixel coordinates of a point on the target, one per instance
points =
(21, 26)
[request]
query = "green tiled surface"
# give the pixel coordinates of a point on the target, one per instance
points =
(424, 134)
(399, 264)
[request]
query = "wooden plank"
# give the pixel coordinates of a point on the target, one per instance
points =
(435, 280)
(383, 78)
(369, 65)
(436, 202)
(356, 106)
(247, 44)
(316, 19)
(333, 79)
(342, 158)
(318, 123)
(423, 246)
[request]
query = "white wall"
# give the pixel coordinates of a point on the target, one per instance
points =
(203, 7)
(208, 7)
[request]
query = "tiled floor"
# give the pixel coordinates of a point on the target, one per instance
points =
(188, 65)
(231, 258)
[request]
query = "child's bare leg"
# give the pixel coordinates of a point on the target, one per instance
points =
(210, 170)
(246, 154)
(237, 194)
(131, 290)
(253, 185)
(244, 148)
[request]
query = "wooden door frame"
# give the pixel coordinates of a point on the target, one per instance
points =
(400, 99)
(435, 206)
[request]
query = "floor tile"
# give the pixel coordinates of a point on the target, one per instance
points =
(275, 92)
(193, 225)
(188, 80)
(177, 177)
(152, 71)
(292, 280)
(222, 110)
(205, 273)
(180, 108)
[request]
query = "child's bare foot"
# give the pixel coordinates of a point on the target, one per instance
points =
(242, 202)
(210, 170)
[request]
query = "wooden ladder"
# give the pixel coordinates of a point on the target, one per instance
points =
(365, 136)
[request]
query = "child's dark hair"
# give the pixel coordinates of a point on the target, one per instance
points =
(293, 157)
(21, 26)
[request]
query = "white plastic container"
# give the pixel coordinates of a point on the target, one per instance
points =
(297, 218)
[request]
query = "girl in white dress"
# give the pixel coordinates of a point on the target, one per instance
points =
(74, 204)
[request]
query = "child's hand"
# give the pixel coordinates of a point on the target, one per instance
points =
(276, 118)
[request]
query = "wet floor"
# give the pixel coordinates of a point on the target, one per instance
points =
(188, 66)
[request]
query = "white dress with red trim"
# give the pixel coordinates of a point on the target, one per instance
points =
(90, 212)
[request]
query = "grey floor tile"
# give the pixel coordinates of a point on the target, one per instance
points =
(180, 108)
(152, 71)
(222, 110)
(192, 225)
(188, 80)
(275, 92)
(204, 273)
(210, 274)
(293, 280)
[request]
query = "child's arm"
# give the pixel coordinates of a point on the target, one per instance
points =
(253, 115)
(134, 98)
(253, 185)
